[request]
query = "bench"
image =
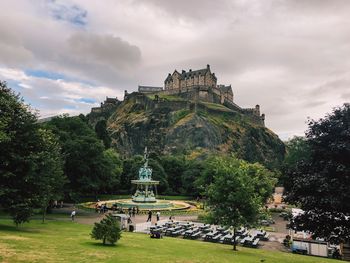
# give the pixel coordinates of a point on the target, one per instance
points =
(196, 235)
(228, 239)
(265, 237)
(255, 243)
(217, 238)
(169, 231)
(243, 241)
(188, 234)
(177, 233)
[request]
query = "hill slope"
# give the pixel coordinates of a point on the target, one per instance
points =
(173, 125)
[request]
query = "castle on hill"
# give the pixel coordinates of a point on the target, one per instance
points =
(192, 85)
(197, 84)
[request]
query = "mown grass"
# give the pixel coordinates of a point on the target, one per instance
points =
(70, 242)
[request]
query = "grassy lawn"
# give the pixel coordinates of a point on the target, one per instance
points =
(70, 242)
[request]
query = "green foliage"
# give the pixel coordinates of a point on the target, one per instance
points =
(237, 193)
(30, 160)
(89, 168)
(47, 171)
(108, 230)
(102, 134)
(257, 145)
(178, 115)
(174, 167)
(114, 166)
(130, 171)
(159, 174)
(21, 212)
(298, 151)
(320, 183)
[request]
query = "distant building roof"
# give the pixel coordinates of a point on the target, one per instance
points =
(191, 73)
(224, 88)
(149, 89)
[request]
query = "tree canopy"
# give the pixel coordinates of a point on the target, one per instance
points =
(320, 184)
(29, 157)
(238, 191)
(89, 168)
(108, 230)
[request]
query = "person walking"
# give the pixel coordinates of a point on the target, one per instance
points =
(149, 219)
(72, 215)
(158, 216)
(133, 211)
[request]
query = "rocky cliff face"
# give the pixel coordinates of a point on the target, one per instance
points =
(172, 125)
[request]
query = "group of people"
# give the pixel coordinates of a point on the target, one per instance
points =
(56, 204)
(133, 211)
(101, 208)
(149, 219)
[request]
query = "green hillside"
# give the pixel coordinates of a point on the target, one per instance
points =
(173, 125)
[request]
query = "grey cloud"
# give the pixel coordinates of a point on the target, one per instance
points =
(337, 86)
(104, 49)
(311, 104)
(346, 96)
(190, 9)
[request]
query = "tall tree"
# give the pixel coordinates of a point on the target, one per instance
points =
(87, 166)
(297, 151)
(321, 183)
(235, 195)
(23, 149)
(113, 167)
(174, 167)
(19, 138)
(47, 171)
(102, 134)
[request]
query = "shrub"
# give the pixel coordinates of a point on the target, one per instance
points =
(107, 230)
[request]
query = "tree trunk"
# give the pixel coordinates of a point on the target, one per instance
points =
(104, 241)
(234, 239)
(44, 213)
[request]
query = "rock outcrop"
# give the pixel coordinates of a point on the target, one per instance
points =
(174, 125)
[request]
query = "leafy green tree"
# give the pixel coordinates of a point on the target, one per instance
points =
(87, 166)
(108, 230)
(297, 150)
(47, 171)
(113, 170)
(102, 134)
(18, 140)
(234, 196)
(321, 183)
(159, 174)
(174, 167)
(130, 171)
(26, 160)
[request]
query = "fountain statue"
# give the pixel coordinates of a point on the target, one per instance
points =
(144, 191)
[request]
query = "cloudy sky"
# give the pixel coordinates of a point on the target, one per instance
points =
(291, 57)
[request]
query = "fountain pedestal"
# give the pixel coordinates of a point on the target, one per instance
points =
(144, 192)
(145, 184)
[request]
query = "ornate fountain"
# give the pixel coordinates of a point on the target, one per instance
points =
(144, 184)
(144, 197)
